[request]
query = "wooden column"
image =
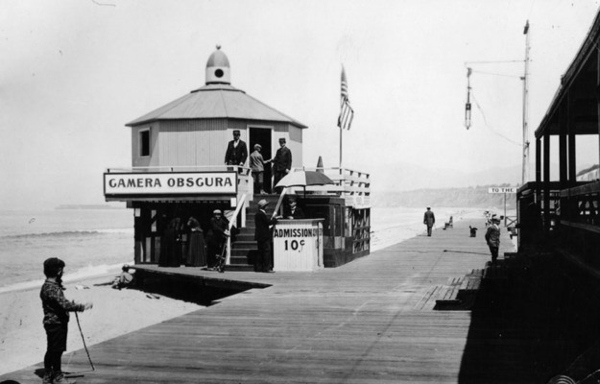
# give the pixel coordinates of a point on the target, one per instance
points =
(546, 187)
(598, 97)
(562, 137)
(572, 137)
(538, 169)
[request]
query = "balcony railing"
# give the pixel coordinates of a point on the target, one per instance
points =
(581, 207)
(354, 186)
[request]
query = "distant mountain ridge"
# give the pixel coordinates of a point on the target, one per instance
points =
(406, 177)
(470, 197)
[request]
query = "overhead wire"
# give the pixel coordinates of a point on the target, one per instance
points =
(488, 126)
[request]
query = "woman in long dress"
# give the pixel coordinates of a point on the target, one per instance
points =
(196, 256)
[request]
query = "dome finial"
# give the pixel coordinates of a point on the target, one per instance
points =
(217, 68)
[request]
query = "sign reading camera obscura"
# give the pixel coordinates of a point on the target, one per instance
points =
(170, 183)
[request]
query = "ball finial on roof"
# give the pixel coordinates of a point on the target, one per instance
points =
(217, 68)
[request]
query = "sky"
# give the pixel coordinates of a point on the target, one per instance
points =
(73, 73)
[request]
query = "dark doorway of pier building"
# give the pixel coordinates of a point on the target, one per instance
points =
(152, 219)
(262, 136)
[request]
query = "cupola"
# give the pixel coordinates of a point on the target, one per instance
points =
(217, 68)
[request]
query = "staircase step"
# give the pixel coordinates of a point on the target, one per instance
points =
(239, 268)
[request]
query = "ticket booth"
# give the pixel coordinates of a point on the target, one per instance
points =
(298, 245)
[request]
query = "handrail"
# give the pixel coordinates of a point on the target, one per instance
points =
(233, 220)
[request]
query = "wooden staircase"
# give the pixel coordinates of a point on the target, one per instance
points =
(243, 246)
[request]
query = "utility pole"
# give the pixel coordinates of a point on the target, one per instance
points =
(468, 103)
(525, 170)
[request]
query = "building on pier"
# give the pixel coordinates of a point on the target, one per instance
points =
(565, 212)
(178, 171)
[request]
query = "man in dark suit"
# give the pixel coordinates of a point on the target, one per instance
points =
(429, 220)
(282, 163)
(294, 211)
(237, 152)
(263, 237)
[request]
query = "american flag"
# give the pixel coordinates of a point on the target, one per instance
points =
(346, 111)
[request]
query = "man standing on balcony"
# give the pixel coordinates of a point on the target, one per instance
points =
(282, 163)
(257, 165)
(237, 152)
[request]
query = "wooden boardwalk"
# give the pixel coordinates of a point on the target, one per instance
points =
(370, 321)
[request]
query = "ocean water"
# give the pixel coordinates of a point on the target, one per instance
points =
(90, 241)
(94, 242)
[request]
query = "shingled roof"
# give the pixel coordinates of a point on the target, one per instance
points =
(216, 101)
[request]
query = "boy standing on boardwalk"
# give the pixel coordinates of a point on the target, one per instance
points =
(56, 319)
(492, 236)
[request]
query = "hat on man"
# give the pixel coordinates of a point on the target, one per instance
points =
(257, 146)
(282, 140)
(236, 132)
(217, 211)
(263, 203)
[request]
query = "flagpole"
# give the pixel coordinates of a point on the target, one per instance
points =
(341, 147)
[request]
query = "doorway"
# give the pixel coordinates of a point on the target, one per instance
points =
(262, 136)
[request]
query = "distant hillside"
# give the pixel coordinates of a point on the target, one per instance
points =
(476, 197)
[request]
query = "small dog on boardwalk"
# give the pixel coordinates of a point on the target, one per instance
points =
(473, 231)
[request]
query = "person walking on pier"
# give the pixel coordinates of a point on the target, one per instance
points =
(492, 237)
(216, 236)
(282, 163)
(56, 319)
(263, 237)
(429, 220)
(237, 152)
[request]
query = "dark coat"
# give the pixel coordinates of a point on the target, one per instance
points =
(298, 213)
(283, 159)
(429, 218)
(216, 231)
(262, 232)
(236, 155)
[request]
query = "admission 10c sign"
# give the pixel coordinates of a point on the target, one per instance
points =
(502, 190)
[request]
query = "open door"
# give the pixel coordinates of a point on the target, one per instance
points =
(262, 136)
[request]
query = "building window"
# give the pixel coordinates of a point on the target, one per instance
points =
(145, 142)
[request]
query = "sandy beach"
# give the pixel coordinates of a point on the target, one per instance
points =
(117, 312)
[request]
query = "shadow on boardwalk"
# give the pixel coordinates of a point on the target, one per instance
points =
(538, 317)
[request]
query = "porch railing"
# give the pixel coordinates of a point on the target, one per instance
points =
(352, 185)
(581, 207)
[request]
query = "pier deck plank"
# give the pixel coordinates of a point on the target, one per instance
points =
(371, 320)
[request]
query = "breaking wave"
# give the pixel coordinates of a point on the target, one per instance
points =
(71, 234)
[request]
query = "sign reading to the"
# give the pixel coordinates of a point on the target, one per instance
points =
(170, 183)
(502, 190)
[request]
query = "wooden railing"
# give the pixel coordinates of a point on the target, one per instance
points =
(354, 186)
(581, 207)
